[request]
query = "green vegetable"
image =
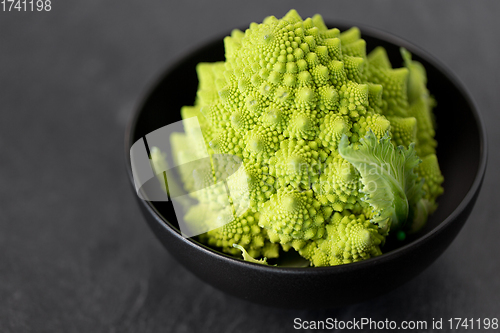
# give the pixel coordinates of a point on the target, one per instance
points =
(349, 238)
(248, 257)
(336, 147)
(391, 187)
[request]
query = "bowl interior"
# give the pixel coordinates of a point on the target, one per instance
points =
(458, 127)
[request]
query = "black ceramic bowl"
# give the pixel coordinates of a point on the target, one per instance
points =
(462, 155)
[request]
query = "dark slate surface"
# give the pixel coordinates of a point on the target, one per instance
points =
(75, 253)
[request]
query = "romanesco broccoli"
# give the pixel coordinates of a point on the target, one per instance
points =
(337, 147)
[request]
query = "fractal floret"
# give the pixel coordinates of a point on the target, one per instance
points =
(336, 146)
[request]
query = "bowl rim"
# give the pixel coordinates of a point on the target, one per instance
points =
(385, 257)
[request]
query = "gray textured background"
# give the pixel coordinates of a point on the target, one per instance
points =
(75, 253)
